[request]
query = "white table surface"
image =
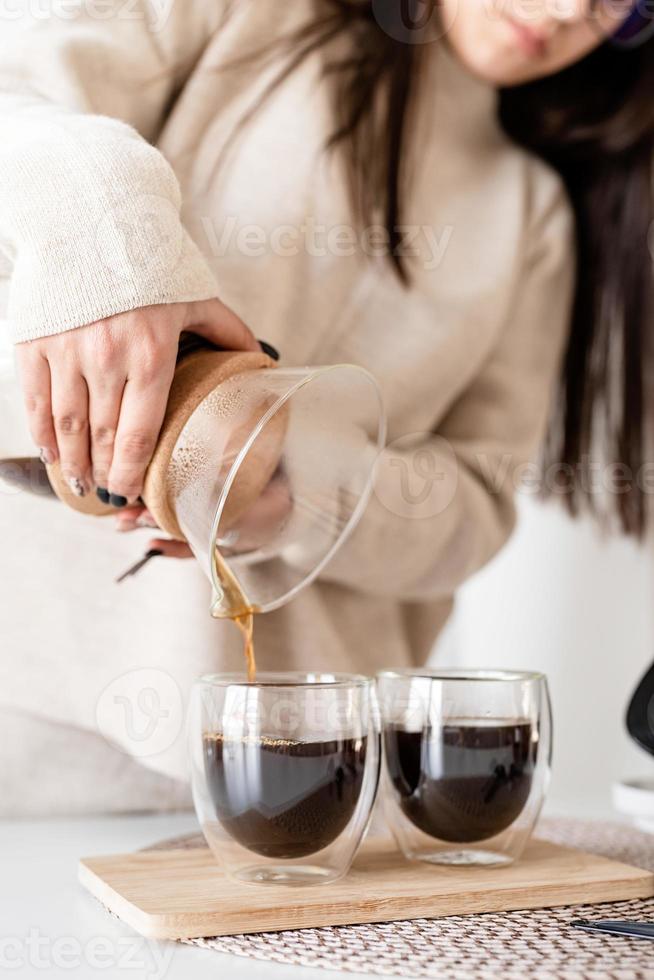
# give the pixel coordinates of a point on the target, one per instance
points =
(50, 927)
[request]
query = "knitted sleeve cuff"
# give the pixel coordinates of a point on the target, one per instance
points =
(90, 217)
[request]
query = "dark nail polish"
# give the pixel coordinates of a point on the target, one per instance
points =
(117, 501)
(102, 495)
(269, 350)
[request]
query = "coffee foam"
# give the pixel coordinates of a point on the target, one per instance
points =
(260, 740)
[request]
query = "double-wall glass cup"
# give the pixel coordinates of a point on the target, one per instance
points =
(284, 772)
(467, 758)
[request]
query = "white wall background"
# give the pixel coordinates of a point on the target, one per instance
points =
(562, 600)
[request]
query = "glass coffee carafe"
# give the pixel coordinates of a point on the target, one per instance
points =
(269, 475)
(263, 470)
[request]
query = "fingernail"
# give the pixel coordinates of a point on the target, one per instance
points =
(102, 495)
(269, 350)
(76, 486)
(116, 500)
(46, 456)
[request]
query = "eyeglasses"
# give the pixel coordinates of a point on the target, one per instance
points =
(638, 26)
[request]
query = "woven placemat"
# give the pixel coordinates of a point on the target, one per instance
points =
(539, 944)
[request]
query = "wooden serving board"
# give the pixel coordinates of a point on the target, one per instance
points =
(183, 894)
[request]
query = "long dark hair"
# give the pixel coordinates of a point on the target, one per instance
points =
(592, 122)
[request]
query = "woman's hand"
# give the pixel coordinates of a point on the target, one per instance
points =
(96, 396)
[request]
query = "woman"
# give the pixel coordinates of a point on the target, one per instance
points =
(348, 183)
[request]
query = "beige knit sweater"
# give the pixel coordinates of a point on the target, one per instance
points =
(111, 198)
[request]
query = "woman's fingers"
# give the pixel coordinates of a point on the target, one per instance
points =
(171, 549)
(70, 411)
(96, 396)
(35, 378)
(216, 322)
(105, 399)
(141, 414)
(133, 518)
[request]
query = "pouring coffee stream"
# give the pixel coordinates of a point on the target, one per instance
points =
(235, 606)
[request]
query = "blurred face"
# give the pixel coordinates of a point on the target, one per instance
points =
(508, 42)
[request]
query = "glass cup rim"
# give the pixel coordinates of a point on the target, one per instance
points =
(283, 680)
(470, 674)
